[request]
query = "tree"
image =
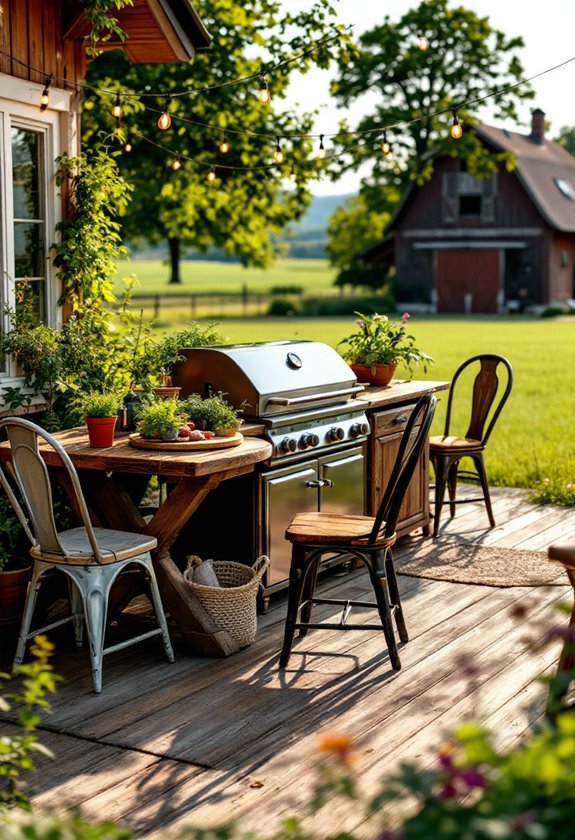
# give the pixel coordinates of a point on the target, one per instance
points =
(566, 139)
(466, 64)
(242, 208)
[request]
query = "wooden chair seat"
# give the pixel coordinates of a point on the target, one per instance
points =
(564, 554)
(113, 545)
(453, 442)
(335, 528)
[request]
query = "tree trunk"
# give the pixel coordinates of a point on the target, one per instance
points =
(174, 244)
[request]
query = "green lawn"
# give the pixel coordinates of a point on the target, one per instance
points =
(533, 444)
(213, 277)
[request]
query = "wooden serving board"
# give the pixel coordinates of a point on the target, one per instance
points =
(175, 445)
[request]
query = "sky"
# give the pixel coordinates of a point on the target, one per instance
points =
(547, 28)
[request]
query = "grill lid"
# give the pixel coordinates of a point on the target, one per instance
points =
(268, 377)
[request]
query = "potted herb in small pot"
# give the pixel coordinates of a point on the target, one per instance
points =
(100, 410)
(160, 419)
(213, 413)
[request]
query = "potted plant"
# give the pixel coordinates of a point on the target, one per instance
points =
(160, 419)
(213, 413)
(154, 362)
(14, 568)
(375, 350)
(100, 409)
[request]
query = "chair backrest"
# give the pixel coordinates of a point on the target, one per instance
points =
(30, 474)
(485, 394)
(410, 449)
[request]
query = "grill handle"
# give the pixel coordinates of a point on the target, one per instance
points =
(319, 482)
(287, 402)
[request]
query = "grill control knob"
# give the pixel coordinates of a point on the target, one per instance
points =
(308, 439)
(287, 445)
(358, 429)
(335, 433)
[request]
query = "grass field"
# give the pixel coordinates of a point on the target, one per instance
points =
(533, 444)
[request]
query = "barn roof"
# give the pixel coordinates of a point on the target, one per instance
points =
(545, 169)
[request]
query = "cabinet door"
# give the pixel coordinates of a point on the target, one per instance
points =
(387, 431)
(344, 476)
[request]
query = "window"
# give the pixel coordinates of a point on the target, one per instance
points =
(29, 144)
(565, 187)
(465, 196)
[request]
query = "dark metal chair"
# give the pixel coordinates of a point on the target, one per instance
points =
(365, 538)
(447, 450)
(90, 557)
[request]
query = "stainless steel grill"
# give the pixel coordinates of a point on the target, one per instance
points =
(304, 395)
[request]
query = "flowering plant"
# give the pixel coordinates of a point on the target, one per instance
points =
(380, 341)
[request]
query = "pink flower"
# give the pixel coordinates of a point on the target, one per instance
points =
(406, 316)
(522, 820)
(360, 323)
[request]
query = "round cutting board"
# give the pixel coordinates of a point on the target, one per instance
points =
(185, 445)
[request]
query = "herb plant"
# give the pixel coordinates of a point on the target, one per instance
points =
(380, 341)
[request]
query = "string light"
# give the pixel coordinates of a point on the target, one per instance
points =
(264, 94)
(456, 130)
(279, 156)
(422, 41)
(321, 150)
(45, 97)
(292, 173)
(224, 146)
(165, 119)
(211, 176)
(128, 146)
(117, 107)
(176, 163)
(386, 146)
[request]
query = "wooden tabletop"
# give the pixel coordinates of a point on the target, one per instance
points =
(122, 457)
(399, 391)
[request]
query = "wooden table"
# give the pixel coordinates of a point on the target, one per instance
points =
(108, 475)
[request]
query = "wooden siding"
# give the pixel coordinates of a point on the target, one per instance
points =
(204, 741)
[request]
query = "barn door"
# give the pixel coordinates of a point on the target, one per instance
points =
(467, 276)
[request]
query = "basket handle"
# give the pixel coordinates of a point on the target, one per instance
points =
(261, 566)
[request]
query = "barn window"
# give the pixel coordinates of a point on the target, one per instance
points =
(565, 187)
(465, 196)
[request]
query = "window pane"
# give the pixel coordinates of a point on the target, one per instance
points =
(28, 249)
(26, 175)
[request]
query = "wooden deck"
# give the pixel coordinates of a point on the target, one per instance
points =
(207, 740)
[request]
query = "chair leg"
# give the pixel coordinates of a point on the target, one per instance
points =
(308, 591)
(96, 588)
(478, 461)
(77, 611)
(380, 587)
(452, 487)
(296, 582)
(394, 597)
(441, 467)
(559, 686)
(159, 610)
(31, 595)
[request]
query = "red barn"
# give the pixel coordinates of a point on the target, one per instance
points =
(504, 242)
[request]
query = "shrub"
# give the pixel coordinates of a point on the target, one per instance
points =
(344, 305)
(282, 306)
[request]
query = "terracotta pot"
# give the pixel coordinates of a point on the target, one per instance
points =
(13, 586)
(101, 431)
(374, 374)
(168, 391)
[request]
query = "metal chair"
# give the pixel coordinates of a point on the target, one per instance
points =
(90, 557)
(365, 538)
(565, 675)
(447, 450)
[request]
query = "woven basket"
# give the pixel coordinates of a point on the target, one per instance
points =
(233, 604)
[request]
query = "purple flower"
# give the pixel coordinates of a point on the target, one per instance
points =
(389, 834)
(473, 778)
(360, 323)
(522, 820)
(447, 792)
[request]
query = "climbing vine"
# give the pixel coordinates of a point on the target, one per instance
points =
(103, 24)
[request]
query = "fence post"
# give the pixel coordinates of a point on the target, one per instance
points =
(156, 306)
(245, 298)
(193, 305)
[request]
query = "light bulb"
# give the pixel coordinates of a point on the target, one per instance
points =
(264, 95)
(117, 108)
(279, 156)
(386, 147)
(45, 96)
(456, 130)
(128, 147)
(176, 163)
(165, 120)
(321, 150)
(292, 175)
(422, 42)
(212, 174)
(224, 146)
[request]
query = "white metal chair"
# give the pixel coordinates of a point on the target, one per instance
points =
(92, 558)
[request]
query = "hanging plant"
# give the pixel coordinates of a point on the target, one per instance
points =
(103, 24)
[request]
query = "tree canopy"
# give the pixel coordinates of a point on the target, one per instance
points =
(241, 209)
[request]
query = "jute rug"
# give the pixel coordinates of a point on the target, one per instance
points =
(461, 562)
